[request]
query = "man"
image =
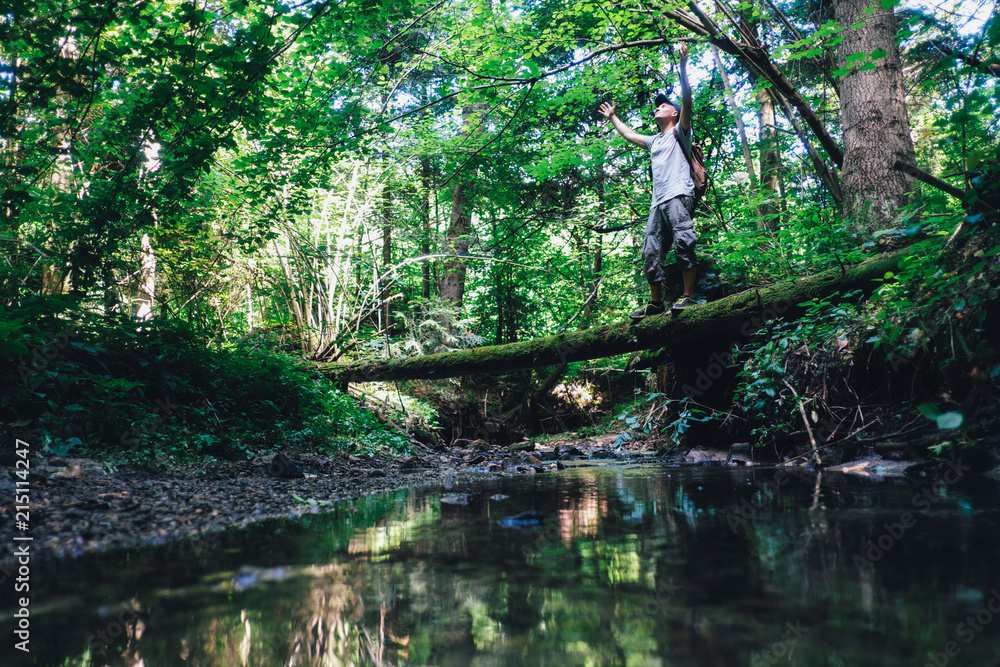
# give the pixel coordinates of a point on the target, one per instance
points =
(671, 215)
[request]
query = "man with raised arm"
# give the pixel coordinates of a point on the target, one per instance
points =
(671, 215)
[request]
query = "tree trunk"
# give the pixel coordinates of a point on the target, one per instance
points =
(770, 162)
(452, 286)
(385, 276)
(425, 226)
(827, 175)
(146, 284)
(453, 270)
(737, 315)
(737, 116)
(874, 117)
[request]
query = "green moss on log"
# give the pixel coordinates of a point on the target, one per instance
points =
(736, 315)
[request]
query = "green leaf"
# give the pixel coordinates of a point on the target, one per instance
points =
(949, 420)
(929, 410)
(972, 160)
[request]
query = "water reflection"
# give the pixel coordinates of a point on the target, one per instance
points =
(628, 565)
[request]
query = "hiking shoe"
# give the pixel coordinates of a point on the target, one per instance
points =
(683, 302)
(649, 309)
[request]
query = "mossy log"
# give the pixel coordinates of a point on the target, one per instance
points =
(737, 316)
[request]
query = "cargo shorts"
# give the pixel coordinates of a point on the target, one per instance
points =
(670, 223)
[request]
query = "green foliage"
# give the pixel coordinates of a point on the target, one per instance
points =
(952, 420)
(94, 90)
(800, 352)
(434, 325)
(157, 391)
(657, 413)
(813, 239)
(944, 420)
(932, 296)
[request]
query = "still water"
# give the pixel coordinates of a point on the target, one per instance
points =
(617, 565)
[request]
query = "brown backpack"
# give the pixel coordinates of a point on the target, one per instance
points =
(698, 172)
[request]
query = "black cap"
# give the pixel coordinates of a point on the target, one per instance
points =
(661, 98)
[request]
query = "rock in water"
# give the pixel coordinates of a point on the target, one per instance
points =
(282, 466)
(455, 499)
(523, 520)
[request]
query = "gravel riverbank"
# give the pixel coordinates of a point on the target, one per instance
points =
(81, 506)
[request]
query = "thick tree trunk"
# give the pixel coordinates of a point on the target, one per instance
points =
(737, 315)
(874, 117)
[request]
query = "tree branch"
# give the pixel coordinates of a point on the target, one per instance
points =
(935, 182)
(756, 60)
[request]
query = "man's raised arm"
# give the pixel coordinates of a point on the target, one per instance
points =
(607, 109)
(687, 108)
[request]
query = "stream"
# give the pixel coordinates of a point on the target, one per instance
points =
(594, 565)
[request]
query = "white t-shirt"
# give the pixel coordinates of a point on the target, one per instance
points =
(671, 169)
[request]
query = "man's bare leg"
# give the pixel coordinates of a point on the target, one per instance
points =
(690, 278)
(656, 292)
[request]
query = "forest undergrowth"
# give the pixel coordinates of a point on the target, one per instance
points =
(915, 361)
(912, 366)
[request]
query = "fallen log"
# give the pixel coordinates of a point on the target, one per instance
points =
(739, 315)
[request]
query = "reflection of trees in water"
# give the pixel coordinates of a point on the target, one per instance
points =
(604, 578)
(329, 623)
(624, 568)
